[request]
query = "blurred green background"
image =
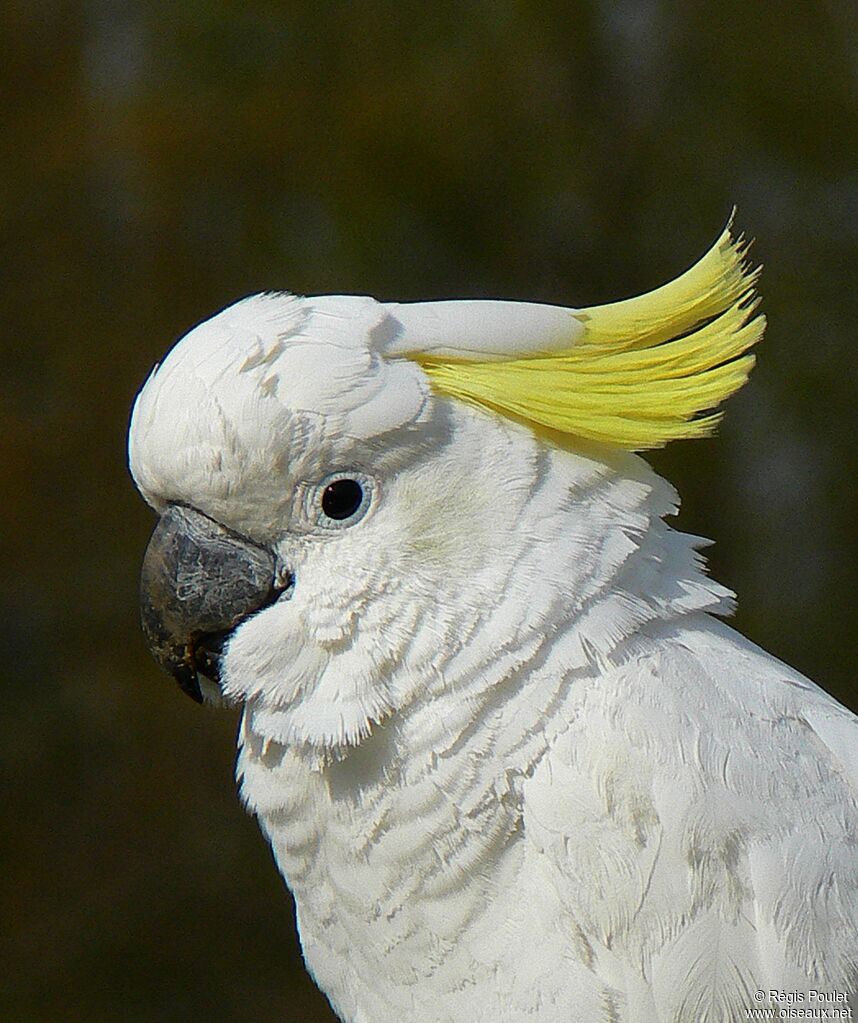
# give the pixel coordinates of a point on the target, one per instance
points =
(159, 161)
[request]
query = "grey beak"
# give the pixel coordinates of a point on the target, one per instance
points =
(199, 580)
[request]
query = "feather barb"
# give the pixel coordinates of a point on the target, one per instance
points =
(646, 371)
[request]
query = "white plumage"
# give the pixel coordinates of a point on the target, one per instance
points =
(509, 764)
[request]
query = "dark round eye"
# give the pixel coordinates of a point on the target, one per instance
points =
(342, 498)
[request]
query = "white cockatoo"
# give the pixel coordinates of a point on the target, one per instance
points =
(512, 764)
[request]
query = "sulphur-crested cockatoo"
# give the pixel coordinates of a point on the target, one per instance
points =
(512, 765)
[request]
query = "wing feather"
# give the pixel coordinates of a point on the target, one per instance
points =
(700, 816)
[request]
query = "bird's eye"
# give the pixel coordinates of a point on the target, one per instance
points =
(339, 500)
(342, 498)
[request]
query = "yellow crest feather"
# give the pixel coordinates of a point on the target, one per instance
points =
(645, 368)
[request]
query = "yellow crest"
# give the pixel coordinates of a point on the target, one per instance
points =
(646, 370)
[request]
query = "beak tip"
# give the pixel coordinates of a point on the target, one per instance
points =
(188, 682)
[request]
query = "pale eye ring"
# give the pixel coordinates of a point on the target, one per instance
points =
(342, 499)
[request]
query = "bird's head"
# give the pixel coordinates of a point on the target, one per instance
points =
(343, 485)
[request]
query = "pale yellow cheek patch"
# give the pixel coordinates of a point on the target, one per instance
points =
(648, 370)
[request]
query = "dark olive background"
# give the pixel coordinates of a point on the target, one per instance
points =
(161, 160)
